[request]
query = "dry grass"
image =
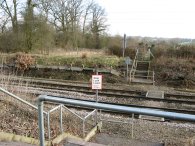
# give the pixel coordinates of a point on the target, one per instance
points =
(177, 72)
(77, 53)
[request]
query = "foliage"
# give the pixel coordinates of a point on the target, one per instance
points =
(79, 61)
(84, 56)
(183, 51)
(23, 61)
(116, 50)
(173, 71)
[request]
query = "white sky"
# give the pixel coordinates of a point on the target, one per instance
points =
(155, 18)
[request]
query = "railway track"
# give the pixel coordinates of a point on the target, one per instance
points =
(118, 93)
(109, 92)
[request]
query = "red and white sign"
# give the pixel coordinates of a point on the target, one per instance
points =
(96, 82)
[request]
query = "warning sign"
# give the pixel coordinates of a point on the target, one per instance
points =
(96, 82)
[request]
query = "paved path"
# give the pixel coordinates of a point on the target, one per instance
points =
(106, 139)
(14, 144)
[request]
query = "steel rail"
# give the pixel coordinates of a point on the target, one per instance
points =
(54, 83)
(124, 95)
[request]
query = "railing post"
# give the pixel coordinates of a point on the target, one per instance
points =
(61, 125)
(132, 125)
(83, 128)
(41, 123)
(130, 76)
(153, 77)
(48, 125)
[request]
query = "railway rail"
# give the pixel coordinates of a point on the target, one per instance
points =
(121, 95)
(85, 88)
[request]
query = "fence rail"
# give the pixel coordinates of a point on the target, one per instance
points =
(48, 113)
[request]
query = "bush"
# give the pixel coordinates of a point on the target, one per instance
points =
(23, 61)
(184, 52)
(84, 56)
(130, 52)
(116, 50)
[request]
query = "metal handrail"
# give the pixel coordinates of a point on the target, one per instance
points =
(134, 62)
(104, 106)
(20, 99)
(50, 111)
(148, 76)
(134, 65)
(150, 53)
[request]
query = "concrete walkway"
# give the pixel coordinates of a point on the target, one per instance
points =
(14, 144)
(106, 139)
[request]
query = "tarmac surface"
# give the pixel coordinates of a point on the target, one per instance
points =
(111, 140)
(14, 144)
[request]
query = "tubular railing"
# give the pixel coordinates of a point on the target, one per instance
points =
(104, 106)
(150, 75)
(134, 65)
(134, 62)
(20, 99)
(48, 113)
(133, 71)
(150, 53)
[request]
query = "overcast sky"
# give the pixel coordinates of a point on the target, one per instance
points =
(155, 18)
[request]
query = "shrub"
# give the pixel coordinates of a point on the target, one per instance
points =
(23, 61)
(116, 50)
(184, 51)
(84, 56)
(130, 52)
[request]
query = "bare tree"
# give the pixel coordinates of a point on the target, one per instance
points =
(44, 7)
(98, 23)
(87, 11)
(10, 9)
(3, 21)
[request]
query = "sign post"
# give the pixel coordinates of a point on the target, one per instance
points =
(96, 85)
(124, 44)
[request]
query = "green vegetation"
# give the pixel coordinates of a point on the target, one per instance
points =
(78, 61)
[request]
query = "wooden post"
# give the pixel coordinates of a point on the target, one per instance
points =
(124, 44)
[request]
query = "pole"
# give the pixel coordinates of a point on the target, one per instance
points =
(127, 72)
(48, 124)
(132, 125)
(61, 124)
(41, 123)
(124, 44)
(96, 113)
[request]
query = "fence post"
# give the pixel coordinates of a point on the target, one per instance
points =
(48, 125)
(83, 128)
(132, 125)
(41, 123)
(61, 126)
